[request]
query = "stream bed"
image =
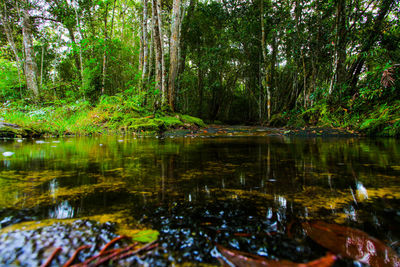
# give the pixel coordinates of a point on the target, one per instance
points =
(246, 193)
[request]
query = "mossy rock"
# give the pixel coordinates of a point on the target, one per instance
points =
(171, 122)
(146, 124)
(192, 120)
(8, 130)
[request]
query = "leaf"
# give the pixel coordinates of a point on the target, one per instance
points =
(231, 257)
(351, 243)
(145, 236)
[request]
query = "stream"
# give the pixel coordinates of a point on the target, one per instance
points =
(243, 192)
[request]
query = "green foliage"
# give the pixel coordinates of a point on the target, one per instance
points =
(192, 120)
(11, 81)
(383, 121)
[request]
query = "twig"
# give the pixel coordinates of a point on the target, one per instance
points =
(52, 256)
(87, 261)
(71, 260)
(115, 254)
(130, 253)
(111, 242)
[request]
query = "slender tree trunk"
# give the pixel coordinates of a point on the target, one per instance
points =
(304, 78)
(158, 49)
(274, 55)
(7, 29)
(9, 36)
(123, 10)
(174, 46)
(162, 63)
(151, 53)
(341, 41)
(78, 24)
(76, 56)
(103, 79)
(145, 45)
(31, 68)
(264, 55)
(339, 70)
(41, 67)
(200, 75)
(112, 20)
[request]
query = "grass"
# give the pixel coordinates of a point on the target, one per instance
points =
(109, 116)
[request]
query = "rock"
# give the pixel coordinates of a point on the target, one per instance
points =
(9, 130)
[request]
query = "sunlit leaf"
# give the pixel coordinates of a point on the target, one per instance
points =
(230, 257)
(145, 236)
(351, 243)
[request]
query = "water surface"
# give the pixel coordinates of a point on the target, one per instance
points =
(246, 193)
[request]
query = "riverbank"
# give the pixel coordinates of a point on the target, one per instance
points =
(370, 119)
(81, 118)
(116, 116)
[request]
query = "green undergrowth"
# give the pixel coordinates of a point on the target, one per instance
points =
(112, 115)
(379, 119)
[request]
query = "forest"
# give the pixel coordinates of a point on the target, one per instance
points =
(77, 66)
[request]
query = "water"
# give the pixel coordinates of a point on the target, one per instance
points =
(246, 193)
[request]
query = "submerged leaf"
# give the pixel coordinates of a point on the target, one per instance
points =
(351, 243)
(230, 257)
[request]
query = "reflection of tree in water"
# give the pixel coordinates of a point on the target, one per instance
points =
(274, 180)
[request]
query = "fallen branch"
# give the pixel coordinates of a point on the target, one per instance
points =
(52, 256)
(71, 260)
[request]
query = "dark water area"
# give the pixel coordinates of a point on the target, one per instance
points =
(251, 194)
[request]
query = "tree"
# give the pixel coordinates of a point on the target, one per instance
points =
(174, 46)
(31, 69)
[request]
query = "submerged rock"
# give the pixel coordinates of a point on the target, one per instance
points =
(31, 247)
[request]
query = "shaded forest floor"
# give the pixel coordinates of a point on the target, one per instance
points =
(115, 115)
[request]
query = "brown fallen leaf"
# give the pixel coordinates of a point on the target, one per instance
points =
(351, 243)
(243, 259)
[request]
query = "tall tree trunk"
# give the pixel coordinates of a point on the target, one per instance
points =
(41, 66)
(339, 70)
(158, 49)
(174, 45)
(151, 53)
(7, 29)
(9, 36)
(112, 20)
(31, 68)
(145, 45)
(78, 24)
(200, 86)
(103, 79)
(162, 63)
(264, 56)
(76, 56)
(274, 55)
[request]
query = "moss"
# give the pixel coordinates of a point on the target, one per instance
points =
(11, 131)
(171, 122)
(192, 120)
(145, 124)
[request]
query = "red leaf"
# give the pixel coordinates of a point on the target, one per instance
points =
(242, 259)
(351, 243)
